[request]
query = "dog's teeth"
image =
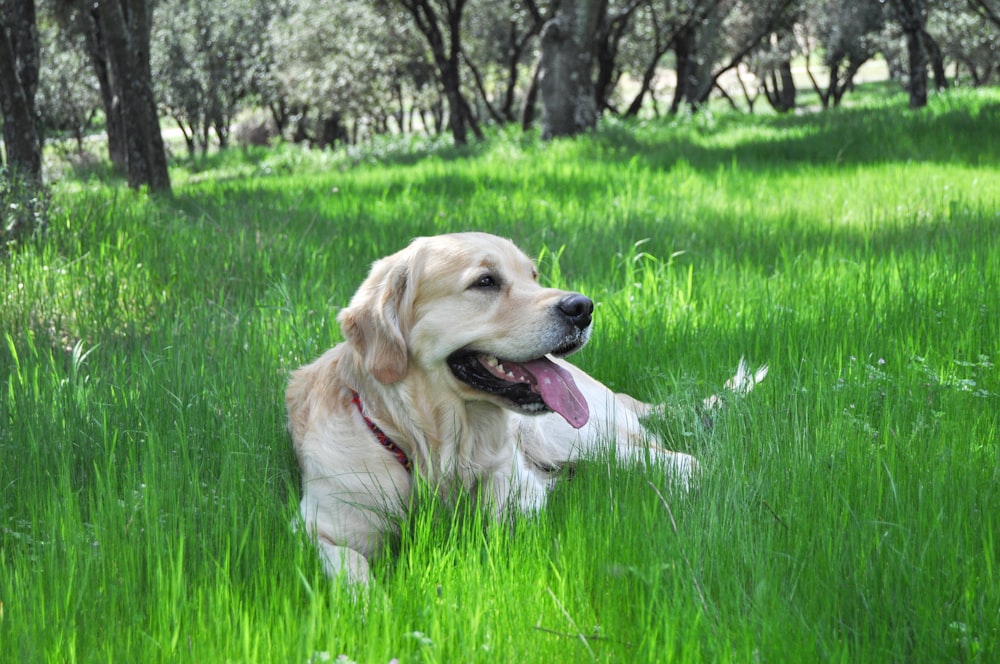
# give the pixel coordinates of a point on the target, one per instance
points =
(492, 361)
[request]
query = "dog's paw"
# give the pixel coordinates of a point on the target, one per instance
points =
(684, 470)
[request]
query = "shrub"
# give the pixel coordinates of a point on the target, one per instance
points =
(24, 209)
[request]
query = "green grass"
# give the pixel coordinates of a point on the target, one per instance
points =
(849, 508)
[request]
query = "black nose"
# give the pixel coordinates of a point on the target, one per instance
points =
(577, 308)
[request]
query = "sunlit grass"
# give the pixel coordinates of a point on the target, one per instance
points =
(849, 507)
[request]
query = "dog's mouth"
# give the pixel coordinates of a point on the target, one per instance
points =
(535, 386)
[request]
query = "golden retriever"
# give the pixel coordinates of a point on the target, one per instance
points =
(451, 370)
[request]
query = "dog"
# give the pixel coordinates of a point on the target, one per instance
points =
(452, 371)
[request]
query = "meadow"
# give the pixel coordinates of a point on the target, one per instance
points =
(850, 506)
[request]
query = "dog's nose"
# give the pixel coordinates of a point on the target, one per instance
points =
(577, 308)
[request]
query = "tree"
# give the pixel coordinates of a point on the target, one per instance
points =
(205, 59)
(566, 82)
(657, 26)
(728, 32)
(118, 40)
(849, 34)
(912, 18)
(970, 39)
(82, 17)
(68, 96)
(19, 65)
(440, 22)
(497, 40)
(987, 9)
(772, 65)
(341, 70)
(23, 197)
(612, 30)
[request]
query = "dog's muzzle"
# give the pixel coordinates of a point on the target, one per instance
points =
(578, 309)
(535, 385)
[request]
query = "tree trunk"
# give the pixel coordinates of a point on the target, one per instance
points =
(610, 31)
(446, 59)
(779, 87)
(788, 90)
(518, 46)
(845, 82)
(514, 52)
(451, 82)
(684, 52)
(125, 25)
(566, 84)
(918, 69)
(19, 54)
(529, 108)
(90, 26)
(665, 35)
(936, 60)
(481, 88)
(912, 18)
(645, 87)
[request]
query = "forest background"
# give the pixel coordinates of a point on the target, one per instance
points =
(333, 72)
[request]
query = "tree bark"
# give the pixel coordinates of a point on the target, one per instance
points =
(936, 60)
(665, 35)
(608, 40)
(19, 55)
(566, 84)
(779, 87)
(446, 59)
(684, 52)
(125, 26)
(918, 69)
(517, 47)
(530, 106)
(645, 87)
(912, 18)
(481, 88)
(90, 26)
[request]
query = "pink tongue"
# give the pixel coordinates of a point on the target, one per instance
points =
(559, 391)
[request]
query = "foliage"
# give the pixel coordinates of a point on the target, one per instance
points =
(848, 34)
(24, 209)
(206, 59)
(848, 510)
(344, 64)
(343, 71)
(68, 95)
(970, 40)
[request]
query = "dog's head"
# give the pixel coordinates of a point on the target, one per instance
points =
(467, 311)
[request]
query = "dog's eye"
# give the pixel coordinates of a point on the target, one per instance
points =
(486, 282)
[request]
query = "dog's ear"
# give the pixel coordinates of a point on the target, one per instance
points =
(377, 320)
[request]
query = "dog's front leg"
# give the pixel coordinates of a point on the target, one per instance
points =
(343, 563)
(682, 468)
(516, 488)
(347, 518)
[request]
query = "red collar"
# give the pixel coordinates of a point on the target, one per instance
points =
(383, 439)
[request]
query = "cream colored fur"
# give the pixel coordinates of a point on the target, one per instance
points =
(414, 310)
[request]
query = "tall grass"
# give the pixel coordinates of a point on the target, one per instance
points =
(849, 508)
